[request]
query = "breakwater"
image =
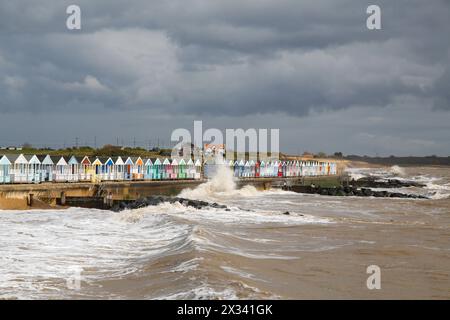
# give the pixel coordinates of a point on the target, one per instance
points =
(106, 194)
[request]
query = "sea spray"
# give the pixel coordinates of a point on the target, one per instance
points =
(397, 170)
(221, 185)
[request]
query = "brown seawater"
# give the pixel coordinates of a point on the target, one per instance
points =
(320, 250)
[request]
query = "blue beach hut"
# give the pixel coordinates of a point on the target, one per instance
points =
(108, 169)
(74, 169)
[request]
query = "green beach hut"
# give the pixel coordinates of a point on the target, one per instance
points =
(182, 169)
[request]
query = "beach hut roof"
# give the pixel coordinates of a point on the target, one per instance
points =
(41, 157)
(236, 163)
(129, 161)
(231, 163)
(47, 160)
(19, 159)
(247, 164)
(157, 162)
(97, 162)
(252, 163)
(11, 157)
(174, 162)
(148, 162)
(138, 161)
(262, 163)
(241, 163)
(32, 159)
(190, 162)
(198, 163)
(109, 162)
(166, 161)
(61, 162)
(182, 162)
(73, 160)
(119, 161)
(4, 160)
(86, 161)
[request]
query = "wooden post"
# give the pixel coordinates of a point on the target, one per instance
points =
(30, 200)
(63, 198)
(108, 200)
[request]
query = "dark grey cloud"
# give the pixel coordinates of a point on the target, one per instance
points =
(232, 59)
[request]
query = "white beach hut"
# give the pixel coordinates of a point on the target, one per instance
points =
(190, 169)
(62, 170)
(47, 167)
(5, 168)
(34, 169)
(19, 171)
(198, 170)
(119, 169)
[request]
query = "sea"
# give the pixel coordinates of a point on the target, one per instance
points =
(268, 245)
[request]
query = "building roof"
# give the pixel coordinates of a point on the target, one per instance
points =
(32, 159)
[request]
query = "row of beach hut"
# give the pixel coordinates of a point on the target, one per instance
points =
(255, 169)
(22, 168)
(35, 169)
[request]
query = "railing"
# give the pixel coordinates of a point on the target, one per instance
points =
(155, 174)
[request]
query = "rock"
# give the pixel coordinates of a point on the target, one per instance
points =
(372, 182)
(286, 213)
(156, 200)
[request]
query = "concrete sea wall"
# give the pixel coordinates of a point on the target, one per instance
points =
(51, 195)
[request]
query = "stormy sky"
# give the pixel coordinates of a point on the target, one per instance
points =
(139, 69)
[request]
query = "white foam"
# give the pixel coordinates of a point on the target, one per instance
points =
(41, 248)
(221, 186)
(397, 170)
